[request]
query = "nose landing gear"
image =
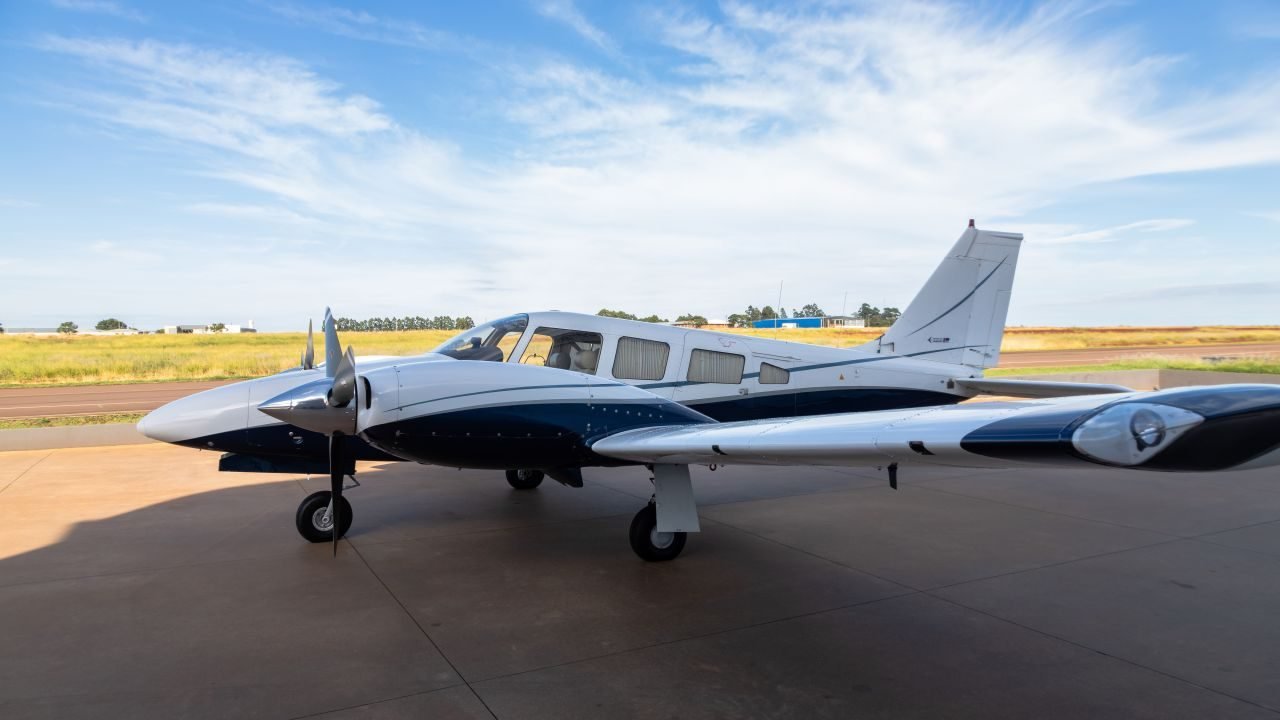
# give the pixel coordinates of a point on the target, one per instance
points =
(315, 517)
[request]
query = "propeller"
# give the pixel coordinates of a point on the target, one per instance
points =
(309, 355)
(327, 406)
(332, 348)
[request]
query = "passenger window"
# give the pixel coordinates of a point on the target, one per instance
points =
(639, 359)
(565, 349)
(716, 367)
(774, 375)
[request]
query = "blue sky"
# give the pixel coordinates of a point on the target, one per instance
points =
(228, 161)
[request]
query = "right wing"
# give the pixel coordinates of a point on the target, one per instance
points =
(1187, 429)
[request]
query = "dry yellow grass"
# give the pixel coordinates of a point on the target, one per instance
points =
(94, 359)
(41, 360)
(1054, 338)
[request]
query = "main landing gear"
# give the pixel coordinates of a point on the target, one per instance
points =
(660, 530)
(524, 479)
(649, 543)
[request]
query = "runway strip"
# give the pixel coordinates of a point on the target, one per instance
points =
(1102, 356)
(40, 402)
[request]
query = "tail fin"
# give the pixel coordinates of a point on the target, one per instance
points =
(958, 316)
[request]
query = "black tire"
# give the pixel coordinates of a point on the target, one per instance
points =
(525, 479)
(651, 545)
(312, 509)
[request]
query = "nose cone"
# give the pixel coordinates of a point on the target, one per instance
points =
(306, 406)
(202, 415)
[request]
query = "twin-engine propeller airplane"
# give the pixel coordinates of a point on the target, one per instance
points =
(556, 392)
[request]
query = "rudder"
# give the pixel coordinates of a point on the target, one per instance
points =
(958, 316)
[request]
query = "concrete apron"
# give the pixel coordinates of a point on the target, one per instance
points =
(52, 438)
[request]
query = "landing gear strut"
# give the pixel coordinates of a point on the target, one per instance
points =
(315, 517)
(659, 531)
(524, 479)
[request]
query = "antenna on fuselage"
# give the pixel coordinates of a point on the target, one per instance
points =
(777, 315)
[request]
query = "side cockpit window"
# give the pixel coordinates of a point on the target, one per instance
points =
(564, 349)
(639, 359)
(492, 341)
(709, 366)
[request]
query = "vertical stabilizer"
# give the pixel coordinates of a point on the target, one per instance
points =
(958, 316)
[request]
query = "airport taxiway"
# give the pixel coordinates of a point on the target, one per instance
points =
(139, 582)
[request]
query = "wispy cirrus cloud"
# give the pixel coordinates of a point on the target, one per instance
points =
(1117, 232)
(565, 11)
(100, 7)
(363, 25)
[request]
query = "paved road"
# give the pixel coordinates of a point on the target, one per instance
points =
(1101, 356)
(94, 399)
(98, 399)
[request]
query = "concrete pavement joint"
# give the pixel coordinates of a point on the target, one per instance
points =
(423, 630)
(24, 472)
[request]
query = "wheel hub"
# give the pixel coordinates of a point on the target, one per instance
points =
(661, 540)
(322, 520)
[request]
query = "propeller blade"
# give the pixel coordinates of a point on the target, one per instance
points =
(336, 465)
(332, 348)
(309, 355)
(344, 381)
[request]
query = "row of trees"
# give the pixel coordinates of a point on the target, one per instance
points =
(874, 317)
(606, 312)
(439, 322)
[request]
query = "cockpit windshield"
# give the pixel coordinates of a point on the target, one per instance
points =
(493, 341)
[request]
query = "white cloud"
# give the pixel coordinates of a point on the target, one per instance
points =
(362, 25)
(566, 12)
(1116, 232)
(838, 149)
(101, 7)
(261, 213)
(116, 251)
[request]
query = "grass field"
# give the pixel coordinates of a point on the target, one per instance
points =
(61, 421)
(41, 360)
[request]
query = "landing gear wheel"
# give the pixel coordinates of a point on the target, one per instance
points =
(650, 544)
(524, 479)
(312, 523)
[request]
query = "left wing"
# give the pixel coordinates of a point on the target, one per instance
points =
(1187, 429)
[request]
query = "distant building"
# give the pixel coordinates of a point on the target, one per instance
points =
(204, 329)
(813, 323)
(710, 324)
(117, 331)
(30, 331)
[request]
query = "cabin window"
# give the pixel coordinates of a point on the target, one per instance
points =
(564, 349)
(774, 375)
(639, 359)
(716, 367)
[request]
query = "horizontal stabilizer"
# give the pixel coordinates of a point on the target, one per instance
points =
(1034, 388)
